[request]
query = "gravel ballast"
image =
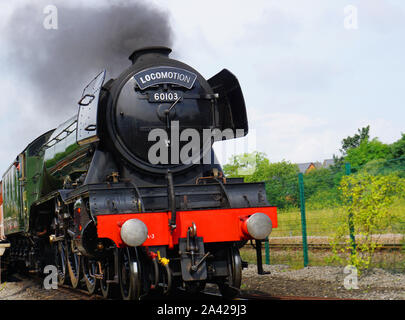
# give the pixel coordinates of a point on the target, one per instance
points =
(325, 282)
(279, 280)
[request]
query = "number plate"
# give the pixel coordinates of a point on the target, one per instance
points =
(166, 96)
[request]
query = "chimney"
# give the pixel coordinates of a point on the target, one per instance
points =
(156, 50)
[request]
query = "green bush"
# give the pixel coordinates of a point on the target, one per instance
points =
(368, 203)
(324, 199)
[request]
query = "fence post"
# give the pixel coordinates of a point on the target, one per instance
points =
(303, 219)
(267, 250)
(348, 168)
(350, 217)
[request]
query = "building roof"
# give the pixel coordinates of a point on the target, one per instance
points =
(328, 162)
(303, 167)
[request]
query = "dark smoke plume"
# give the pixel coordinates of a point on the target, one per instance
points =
(59, 63)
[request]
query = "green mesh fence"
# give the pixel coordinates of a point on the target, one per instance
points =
(324, 211)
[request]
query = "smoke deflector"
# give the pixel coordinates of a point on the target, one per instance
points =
(231, 105)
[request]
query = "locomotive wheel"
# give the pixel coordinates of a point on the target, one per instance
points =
(236, 268)
(230, 288)
(60, 261)
(166, 278)
(89, 268)
(108, 289)
(129, 274)
(105, 286)
(73, 264)
(59, 250)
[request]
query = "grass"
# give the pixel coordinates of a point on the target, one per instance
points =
(324, 222)
(318, 223)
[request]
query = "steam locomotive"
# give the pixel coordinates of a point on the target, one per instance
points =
(105, 198)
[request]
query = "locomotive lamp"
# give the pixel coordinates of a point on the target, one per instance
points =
(134, 232)
(258, 226)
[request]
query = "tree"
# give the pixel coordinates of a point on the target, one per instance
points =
(367, 151)
(367, 201)
(282, 184)
(321, 188)
(255, 167)
(251, 166)
(280, 170)
(349, 143)
(398, 148)
(280, 177)
(355, 141)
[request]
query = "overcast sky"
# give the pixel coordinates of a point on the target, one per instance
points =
(310, 75)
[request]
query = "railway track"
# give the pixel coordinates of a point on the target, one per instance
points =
(325, 246)
(278, 298)
(66, 292)
(244, 296)
(80, 293)
(31, 288)
(180, 295)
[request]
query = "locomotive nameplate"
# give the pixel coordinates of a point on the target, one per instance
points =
(159, 75)
(168, 96)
